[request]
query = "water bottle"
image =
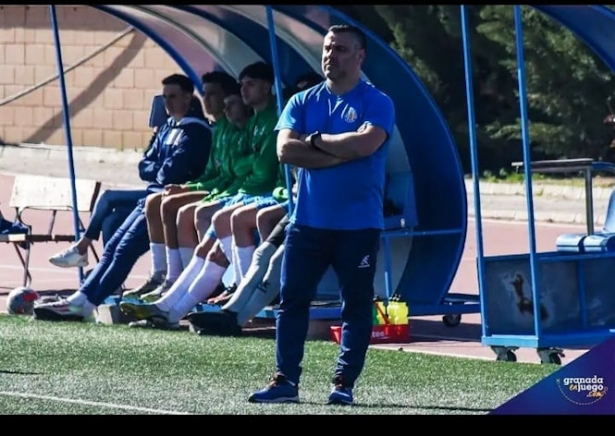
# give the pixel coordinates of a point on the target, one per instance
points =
(398, 312)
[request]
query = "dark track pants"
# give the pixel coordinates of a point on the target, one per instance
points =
(121, 253)
(308, 253)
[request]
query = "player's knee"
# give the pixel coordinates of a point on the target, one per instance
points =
(105, 196)
(262, 221)
(183, 219)
(202, 217)
(185, 212)
(152, 204)
(236, 218)
(164, 209)
(261, 215)
(217, 217)
(169, 209)
(241, 219)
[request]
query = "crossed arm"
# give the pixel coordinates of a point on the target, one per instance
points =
(328, 150)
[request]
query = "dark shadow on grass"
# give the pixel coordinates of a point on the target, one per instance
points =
(8, 371)
(396, 406)
(399, 406)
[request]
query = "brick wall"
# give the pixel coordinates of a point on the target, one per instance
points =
(109, 95)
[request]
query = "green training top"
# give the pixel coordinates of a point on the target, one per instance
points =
(215, 172)
(238, 165)
(256, 170)
(264, 173)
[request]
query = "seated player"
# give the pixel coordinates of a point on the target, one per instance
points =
(224, 105)
(205, 271)
(260, 285)
(111, 209)
(242, 225)
(255, 169)
(180, 153)
(262, 179)
(245, 223)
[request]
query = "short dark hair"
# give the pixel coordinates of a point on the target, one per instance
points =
(354, 30)
(180, 80)
(227, 82)
(258, 70)
(196, 108)
(310, 79)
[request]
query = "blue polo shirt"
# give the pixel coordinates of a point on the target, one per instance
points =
(349, 196)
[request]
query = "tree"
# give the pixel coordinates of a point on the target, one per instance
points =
(567, 85)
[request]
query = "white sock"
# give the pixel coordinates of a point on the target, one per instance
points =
(174, 264)
(186, 254)
(228, 248)
(159, 258)
(181, 285)
(226, 244)
(77, 299)
(265, 291)
(235, 265)
(202, 287)
(244, 257)
(254, 276)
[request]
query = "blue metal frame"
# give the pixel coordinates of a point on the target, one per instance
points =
(527, 166)
(577, 19)
(467, 63)
(275, 61)
(253, 35)
(67, 130)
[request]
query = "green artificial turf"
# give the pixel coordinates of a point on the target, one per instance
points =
(68, 368)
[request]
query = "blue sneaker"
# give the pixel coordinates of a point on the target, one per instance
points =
(280, 390)
(341, 394)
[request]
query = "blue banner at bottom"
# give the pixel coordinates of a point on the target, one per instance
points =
(586, 386)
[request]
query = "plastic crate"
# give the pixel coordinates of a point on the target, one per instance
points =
(381, 334)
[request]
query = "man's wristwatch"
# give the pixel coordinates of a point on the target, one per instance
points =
(313, 138)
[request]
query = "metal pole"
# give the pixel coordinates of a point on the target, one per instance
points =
(589, 200)
(467, 60)
(278, 91)
(67, 132)
(527, 166)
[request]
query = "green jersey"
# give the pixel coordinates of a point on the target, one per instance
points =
(238, 165)
(265, 164)
(216, 173)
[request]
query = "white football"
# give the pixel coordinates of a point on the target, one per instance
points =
(21, 301)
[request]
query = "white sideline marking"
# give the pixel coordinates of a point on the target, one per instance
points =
(91, 403)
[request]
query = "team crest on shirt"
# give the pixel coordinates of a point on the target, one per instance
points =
(350, 115)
